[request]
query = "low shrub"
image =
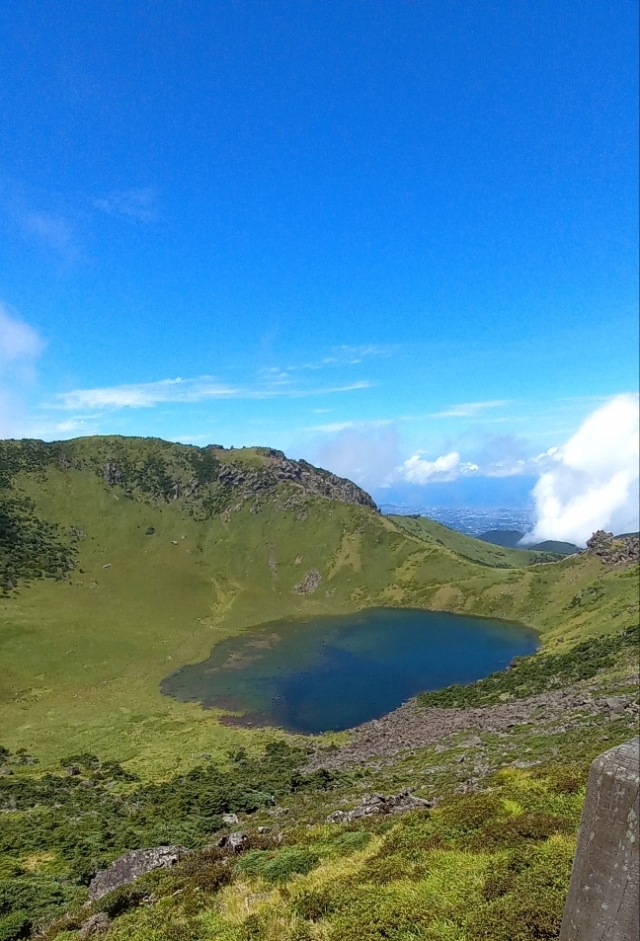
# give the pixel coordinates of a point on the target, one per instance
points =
(13, 926)
(277, 865)
(315, 903)
(500, 834)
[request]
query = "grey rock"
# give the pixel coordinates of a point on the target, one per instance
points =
(263, 830)
(150, 530)
(131, 866)
(235, 842)
(602, 904)
(72, 770)
(309, 583)
(616, 703)
(230, 818)
(94, 926)
(112, 474)
(614, 550)
(6, 771)
(373, 804)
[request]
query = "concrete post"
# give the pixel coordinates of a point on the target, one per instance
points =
(603, 902)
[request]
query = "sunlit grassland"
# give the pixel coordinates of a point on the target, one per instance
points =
(82, 659)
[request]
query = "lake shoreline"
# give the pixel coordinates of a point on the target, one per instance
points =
(412, 726)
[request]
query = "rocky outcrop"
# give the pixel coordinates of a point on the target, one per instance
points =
(238, 478)
(373, 804)
(615, 550)
(412, 726)
(309, 583)
(112, 473)
(319, 482)
(605, 882)
(130, 867)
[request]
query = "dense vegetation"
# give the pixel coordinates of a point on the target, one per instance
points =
(29, 546)
(82, 818)
(487, 866)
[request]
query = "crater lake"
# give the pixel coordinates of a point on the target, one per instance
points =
(329, 673)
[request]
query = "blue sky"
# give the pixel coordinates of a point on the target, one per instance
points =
(360, 231)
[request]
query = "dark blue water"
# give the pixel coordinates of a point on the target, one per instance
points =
(331, 673)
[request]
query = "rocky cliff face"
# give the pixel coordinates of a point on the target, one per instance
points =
(211, 479)
(318, 482)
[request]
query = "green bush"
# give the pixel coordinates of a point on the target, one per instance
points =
(351, 841)
(501, 834)
(467, 812)
(314, 903)
(277, 866)
(14, 926)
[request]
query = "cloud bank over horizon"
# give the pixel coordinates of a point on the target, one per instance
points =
(592, 480)
(587, 483)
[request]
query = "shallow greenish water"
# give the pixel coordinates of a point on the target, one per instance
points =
(331, 673)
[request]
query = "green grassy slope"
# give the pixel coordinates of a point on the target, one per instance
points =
(484, 553)
(122, 570)
(83, 654)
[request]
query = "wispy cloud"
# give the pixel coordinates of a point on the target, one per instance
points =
(20, 347)
(134, 204)
(344, 355)
(201, 389)
(53, 230)
(18, 341)
(469, 409)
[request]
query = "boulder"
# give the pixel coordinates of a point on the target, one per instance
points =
(131, 866)
(373, 804)
(235, 842)
(94, 926)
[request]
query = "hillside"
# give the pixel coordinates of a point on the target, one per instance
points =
(494, 555)
(150, 552)
(510, 538)
(123, 559)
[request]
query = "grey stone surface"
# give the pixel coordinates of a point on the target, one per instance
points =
(373, 804)
(235, 842)
(602, 904)
(130, 867)
(96, 925)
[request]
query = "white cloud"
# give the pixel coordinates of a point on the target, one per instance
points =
(18, 341)
(592, 481)
(365, 452)
(149, 394)
(418, 470)
(138, 204)
(143, 394)
(20, 347)
(469, 409)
